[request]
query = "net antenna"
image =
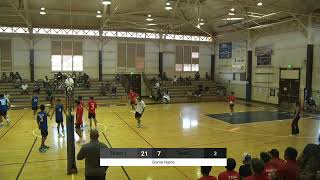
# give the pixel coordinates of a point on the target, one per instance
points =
(71, 160)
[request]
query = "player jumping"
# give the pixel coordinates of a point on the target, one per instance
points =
(92, 106)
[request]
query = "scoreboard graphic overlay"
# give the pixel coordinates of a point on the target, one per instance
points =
(163, 157)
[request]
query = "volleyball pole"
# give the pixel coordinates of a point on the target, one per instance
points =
(71, 155)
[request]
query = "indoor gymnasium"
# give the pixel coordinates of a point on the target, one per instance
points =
(160, 89)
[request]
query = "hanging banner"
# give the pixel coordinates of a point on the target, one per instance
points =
(264, 54)
(225, 50)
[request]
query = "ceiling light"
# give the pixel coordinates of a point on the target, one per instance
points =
(231, 14)
(232, 9)
(151, 24)
(201, 22)
(168, 6)
(255, 16)
(106, 2)
(198, 26)
(43, 10)
(99, 14)
(149, 18)
(232, 19)
(259, 4)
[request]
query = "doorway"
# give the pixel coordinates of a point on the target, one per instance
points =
(289, 86)
(134, 82)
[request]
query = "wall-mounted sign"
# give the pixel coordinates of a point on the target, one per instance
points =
(264, 54)
(225, 50)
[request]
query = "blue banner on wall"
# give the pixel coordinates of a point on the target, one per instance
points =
(225, 50)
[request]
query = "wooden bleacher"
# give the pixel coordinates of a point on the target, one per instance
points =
(178, 93)
(23, 101)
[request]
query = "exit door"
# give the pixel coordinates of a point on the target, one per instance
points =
(289, 86)
(134, 82)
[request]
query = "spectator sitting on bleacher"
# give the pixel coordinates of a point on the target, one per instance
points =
(107, 86)
(200, 87)
(206, 88)
(174, 80)
(11, 76)
(36, 88)
(114, 90)
(103, 90)
(55, 84)
(45, 82)
(166, 96)
(180, 80)
(207, 76)
(157, 85)
(197, 76)
(4, 77)
(24, 88)
(188, 81)
(118, 77)
(17, 76)
(164, 76)
(59, 76)
(17, 83)
(87, 84)
(74, 75)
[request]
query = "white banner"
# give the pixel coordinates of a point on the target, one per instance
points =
(163, 162)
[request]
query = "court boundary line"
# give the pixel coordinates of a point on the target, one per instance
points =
(24, 163)
(145, 140)
(12, 126)
(124, 170)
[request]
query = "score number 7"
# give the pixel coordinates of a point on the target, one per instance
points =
(159, 153)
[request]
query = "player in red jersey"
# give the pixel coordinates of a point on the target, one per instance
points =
(92, 106)
(229, 174)
(79, 121)
(82, 104)
(231, 100)
(132, 96)
(205, 171)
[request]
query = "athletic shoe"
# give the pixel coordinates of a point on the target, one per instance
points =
(139, 126)
(41, 149)
(1, 124)
(46, 147)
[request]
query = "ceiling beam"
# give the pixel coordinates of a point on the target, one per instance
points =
(26, 11)
(19, 13)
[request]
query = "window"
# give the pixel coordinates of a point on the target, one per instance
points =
(66, 56)
(187, 58)
(5, 55)
(131, 55)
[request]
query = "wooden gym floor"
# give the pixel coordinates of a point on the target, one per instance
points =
(172, 125)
